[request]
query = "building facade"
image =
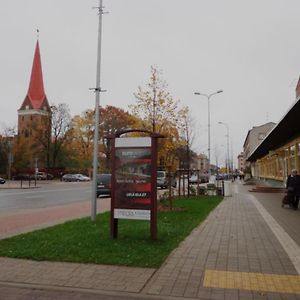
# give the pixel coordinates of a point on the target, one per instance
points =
(279, 152)
(200, 162)
(255, 136)
(241, 165)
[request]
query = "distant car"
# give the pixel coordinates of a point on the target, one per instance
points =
(2, 180)
(81, 177)
(39, 176)
(21, 176)
(75, 177)
(194, 179)
(69, 177)
(163, 179)
(103, 184)
(219, 177)
(50, 176)
(203, 178)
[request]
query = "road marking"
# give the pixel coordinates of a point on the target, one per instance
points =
(252, 281)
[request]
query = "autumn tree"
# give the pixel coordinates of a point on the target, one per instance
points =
(7, 139)
(61, 119)
(185, 125)
(154, 105)
(79, 141)
(159, 113)
(113, 119)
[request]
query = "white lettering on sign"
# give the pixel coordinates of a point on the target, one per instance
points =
(136, 194)
(134, 214)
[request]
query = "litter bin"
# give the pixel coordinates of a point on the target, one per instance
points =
(227, 189)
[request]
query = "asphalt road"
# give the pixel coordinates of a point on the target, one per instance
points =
(45, 195)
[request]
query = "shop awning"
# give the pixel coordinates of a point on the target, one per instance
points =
(286, 130)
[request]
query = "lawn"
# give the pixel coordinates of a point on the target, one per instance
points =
(85, 241)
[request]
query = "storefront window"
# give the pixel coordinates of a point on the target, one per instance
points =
(292, 157)
(280, 167)
(286, 165)
(298, 153)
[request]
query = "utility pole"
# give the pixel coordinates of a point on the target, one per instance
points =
(97, 90)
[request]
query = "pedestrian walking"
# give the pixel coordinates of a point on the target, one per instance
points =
(293, 188)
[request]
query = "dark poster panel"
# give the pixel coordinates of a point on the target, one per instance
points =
(133, 178)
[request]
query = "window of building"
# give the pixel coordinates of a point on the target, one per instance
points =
(292, 157)
(286, 165)
(298, 154)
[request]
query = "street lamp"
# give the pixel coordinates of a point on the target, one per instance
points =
(97, 117)
(227, 136)
(208, 96)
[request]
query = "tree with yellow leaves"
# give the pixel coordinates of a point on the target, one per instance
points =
(159, 113)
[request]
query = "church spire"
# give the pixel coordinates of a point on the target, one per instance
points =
(36, 92)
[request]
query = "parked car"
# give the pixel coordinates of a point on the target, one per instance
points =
(50, 176)
(39, 176)
(81, 177)
(21, 176)
(2, 180)
(194, 179)
(163, 179)
(69, 177)
(75, 177)
(203, 178)
(103, 184)
(220, 177)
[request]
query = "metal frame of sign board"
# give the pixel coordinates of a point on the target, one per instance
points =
(132, 144)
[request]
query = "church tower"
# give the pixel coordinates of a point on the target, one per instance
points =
(34, 115)
(34, 120)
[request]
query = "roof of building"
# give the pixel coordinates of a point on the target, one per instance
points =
(36, 97)
(286, 130)
(255, 128)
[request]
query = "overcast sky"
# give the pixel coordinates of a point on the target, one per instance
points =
(249, 49)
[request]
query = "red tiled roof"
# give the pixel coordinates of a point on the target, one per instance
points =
(36, 93)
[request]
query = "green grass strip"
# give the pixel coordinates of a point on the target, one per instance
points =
(84, 241)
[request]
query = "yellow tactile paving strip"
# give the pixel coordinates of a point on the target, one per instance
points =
(252, 281)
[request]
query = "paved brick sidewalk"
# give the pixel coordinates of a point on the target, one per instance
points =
(234, 254)
(236, 239)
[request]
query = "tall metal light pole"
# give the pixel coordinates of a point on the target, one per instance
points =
(227, 136)
(97, 119)
(208, 96)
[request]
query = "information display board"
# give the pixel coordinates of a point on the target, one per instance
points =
(134, 181)
(132, 178)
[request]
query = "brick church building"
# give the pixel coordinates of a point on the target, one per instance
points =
(34, 117)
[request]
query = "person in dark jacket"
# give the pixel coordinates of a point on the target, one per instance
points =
(293, 188)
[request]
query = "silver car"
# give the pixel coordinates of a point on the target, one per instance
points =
(163, 179)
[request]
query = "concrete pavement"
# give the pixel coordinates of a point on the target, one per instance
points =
(247, 248)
